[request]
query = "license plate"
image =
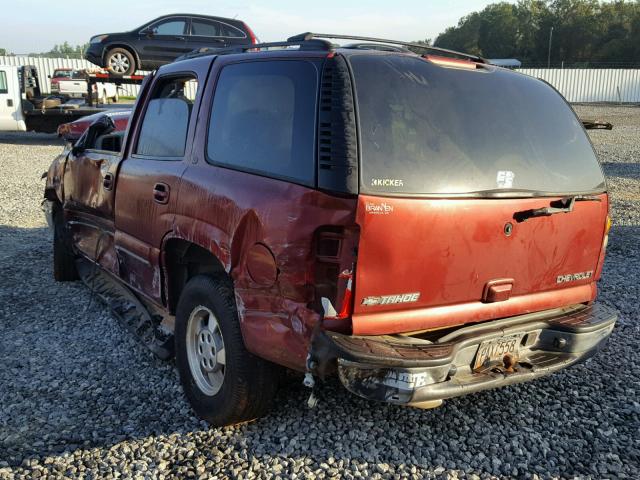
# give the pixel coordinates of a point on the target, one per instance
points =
(495, 350)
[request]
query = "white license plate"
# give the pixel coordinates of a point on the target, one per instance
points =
(494, 350)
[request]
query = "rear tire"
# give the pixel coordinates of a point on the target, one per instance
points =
(225, 384)
(120, 61)
(64, 266)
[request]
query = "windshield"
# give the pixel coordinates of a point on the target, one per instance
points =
(429, 129)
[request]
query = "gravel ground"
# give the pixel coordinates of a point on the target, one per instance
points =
(80, 398)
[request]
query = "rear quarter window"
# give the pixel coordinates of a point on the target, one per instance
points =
(163, 133)
(263, 119)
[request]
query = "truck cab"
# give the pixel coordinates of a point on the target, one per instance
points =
(11, 109)
(23, 107)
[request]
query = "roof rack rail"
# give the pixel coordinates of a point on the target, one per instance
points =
(310, 44)
(307, 36)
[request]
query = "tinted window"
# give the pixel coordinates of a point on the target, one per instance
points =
(3, 82)
(171, 27)
(166, 121)
(205, 28)
(230, 31)
(263, 118)
(210, 28)
(430, 129)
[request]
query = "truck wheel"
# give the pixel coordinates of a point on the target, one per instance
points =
(64, 266)
(120, 62)
(224, 383)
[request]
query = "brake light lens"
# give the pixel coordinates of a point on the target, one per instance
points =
(333, 274)
(451, 62)
(607, 226)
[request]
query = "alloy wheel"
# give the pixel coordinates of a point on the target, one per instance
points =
(205, 350)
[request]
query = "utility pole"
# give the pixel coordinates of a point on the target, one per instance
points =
(549, 54)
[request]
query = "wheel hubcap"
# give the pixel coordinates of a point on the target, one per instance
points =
(119, 63)
(205, 350)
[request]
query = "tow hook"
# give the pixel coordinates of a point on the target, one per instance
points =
(310, 382)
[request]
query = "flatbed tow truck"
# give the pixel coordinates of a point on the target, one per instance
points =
(23, 107)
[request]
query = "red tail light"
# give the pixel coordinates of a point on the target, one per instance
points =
(252, 36)
(333, 275)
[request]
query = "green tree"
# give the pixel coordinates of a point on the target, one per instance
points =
(426, 42)
(499, 31)
(3, 51)
(583, 31)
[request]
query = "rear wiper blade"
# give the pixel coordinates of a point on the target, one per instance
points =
(564, 205)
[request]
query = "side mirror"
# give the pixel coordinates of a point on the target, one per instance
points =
(147, 31)
(49, 76)
(101, 126)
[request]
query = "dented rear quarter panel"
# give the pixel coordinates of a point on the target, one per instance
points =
(227, 212)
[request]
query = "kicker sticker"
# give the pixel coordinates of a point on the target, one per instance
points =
(386, 182)
(391, 299)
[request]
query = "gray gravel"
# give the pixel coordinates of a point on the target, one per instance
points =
(80, 398)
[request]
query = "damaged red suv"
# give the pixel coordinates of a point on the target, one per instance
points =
(425, 226)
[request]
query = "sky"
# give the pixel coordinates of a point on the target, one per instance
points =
(37, 25)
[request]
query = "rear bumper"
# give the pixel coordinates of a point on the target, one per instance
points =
(414, 372)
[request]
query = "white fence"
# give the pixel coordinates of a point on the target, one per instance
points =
(46, 66)
(577, 85)
(592, 84)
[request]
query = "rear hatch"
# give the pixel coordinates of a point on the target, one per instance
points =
(481, 196)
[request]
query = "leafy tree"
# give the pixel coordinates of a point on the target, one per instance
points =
(67, 49)
(498, 29)
(3, 51)
(583, 31)
(426, 42)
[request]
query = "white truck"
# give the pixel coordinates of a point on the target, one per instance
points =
(76, 87)
(24, 108)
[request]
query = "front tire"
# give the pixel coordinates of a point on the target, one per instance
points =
(224, 382)
(64, 266)
(120, 61)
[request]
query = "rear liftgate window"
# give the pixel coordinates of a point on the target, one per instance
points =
(435, 130)
(263, 119)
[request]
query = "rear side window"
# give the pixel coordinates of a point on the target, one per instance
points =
(163, 133)
(263, 119)
(210, 28)
(3, 82)
(429, 129)
(172, 27)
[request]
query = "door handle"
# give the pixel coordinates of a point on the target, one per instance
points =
(107, 181)
(179, 38)
(161, 193)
